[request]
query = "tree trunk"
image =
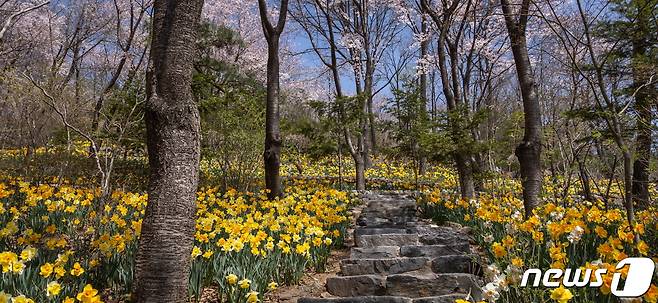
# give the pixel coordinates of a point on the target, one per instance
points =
(272, 133)
(478, 169)
(272, 152)
(465, 172)
(363, 136)
(628, 191)
(584, 179)
(354, 151)
(643, 142)
(447, 49)
(360, 172)
(529, 150)
(424, 45)
(643, 104)
(172, 127)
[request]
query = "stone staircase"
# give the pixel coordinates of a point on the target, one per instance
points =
(399, 258)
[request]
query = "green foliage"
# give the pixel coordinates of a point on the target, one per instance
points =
(232, 109)
(412, 127)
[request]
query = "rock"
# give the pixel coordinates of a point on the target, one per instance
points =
(363, 231)
(373, 221)
(354, 286)
(454, 225)
(367, 299)
(456, 264)
(432, 251)
(351, 267)
(429, 285)
(375, 252)
(387, 240)
(440, 299)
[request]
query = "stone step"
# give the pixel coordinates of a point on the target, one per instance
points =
(440, 299)
(443, 239)
(364, 231)
(456, 264)
(353, 267)
(410, 285)
(387, 221)
(400, 258)
(378, 252)
(367, 299)
(438, 235)
(355, 286)
(385, 299)
(387, 240)
(433, 251)
(430, 285)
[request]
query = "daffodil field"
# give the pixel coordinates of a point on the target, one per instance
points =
(58, 245)
(570, 233)
(64, 243)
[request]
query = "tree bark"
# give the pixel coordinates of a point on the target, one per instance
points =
(360, 172)
(173, 142)
(529, 150)
(643, 143)
(465, 172)
(584, 179)
(272, 151)
(424, 46)
(643, 107)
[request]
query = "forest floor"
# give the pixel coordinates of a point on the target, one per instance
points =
(312, 284)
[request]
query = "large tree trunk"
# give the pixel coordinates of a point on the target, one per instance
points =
(643, 153)
(643, 106)
(529, 150)
(173, 142)
(272, 132)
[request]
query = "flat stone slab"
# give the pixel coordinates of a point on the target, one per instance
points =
(366, 231)
(440, 299)
(433, 251)
(430, 285)
(456, 264)
(378, 252)
(374, 221)
(352, 267)
(387, 240)
(355, 286)
(366, 299)
(443, 239)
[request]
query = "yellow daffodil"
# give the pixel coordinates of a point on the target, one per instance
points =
(53, 288)
(252, 297)
(244, 283)
(77, 270)
(21, 299)
(231, 279)
(88, 295)
(561, 295)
